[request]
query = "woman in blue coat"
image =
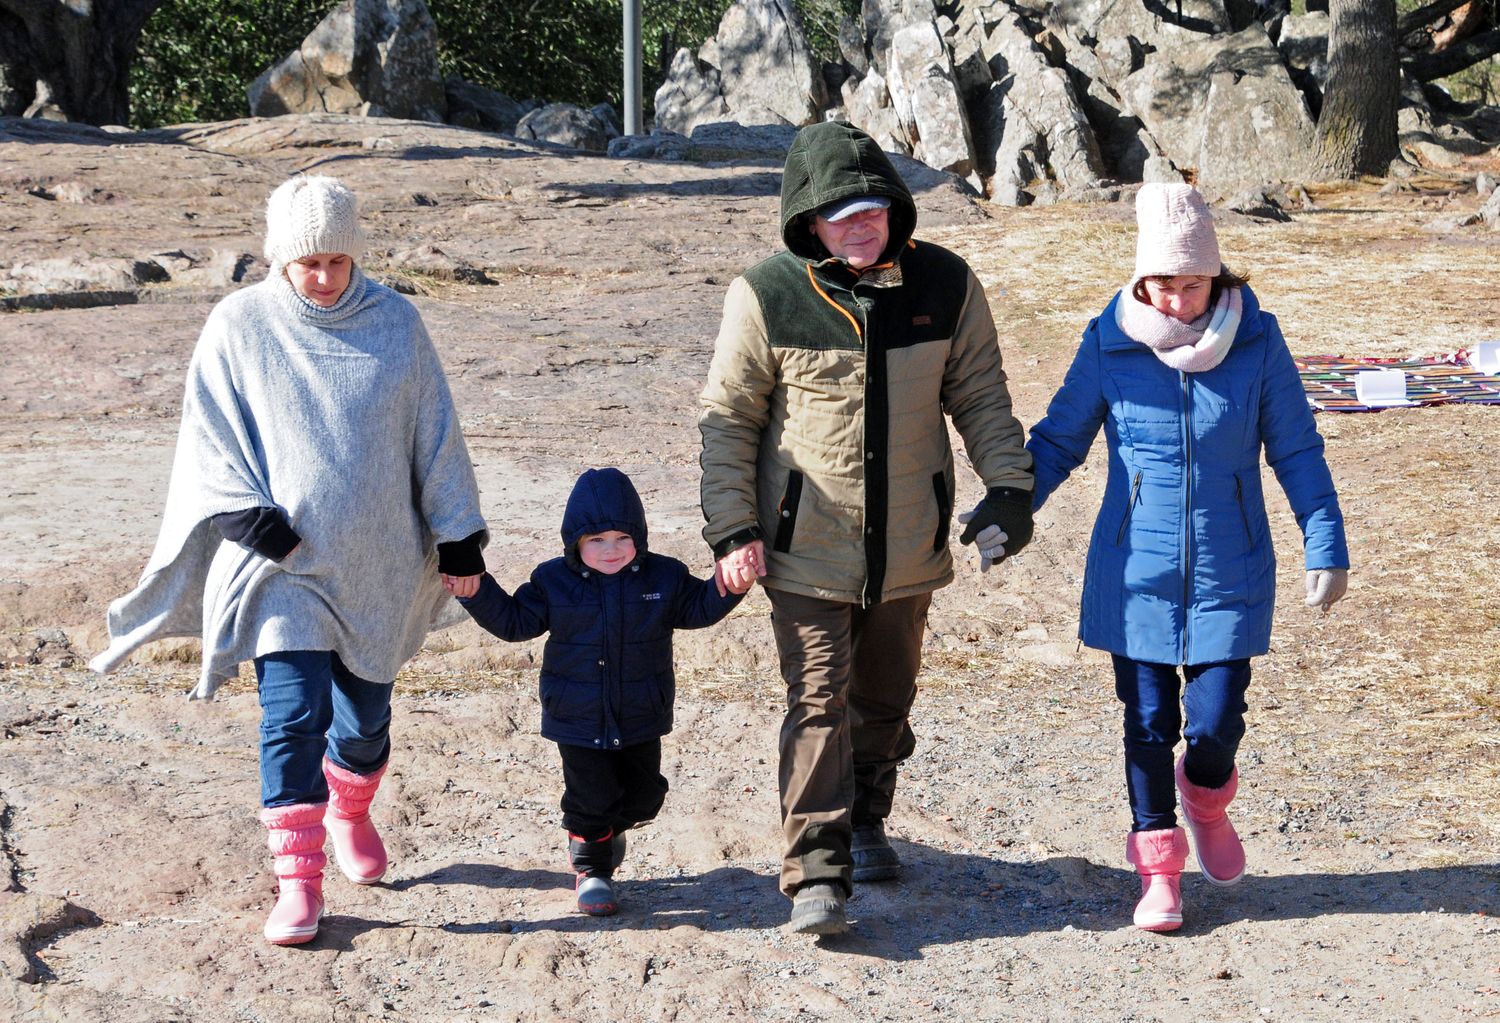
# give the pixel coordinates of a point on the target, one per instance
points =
(1190, 380)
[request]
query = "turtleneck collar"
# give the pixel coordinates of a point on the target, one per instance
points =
(304, 309)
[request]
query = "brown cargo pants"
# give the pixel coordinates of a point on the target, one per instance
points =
(851, 677)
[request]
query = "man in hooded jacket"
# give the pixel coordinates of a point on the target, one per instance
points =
(828, 476)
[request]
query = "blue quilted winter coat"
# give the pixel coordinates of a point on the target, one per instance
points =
(607, 679)
(1180, 566)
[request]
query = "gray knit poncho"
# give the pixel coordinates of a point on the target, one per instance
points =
(340, 417)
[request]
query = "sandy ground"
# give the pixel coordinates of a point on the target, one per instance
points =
(135, 874)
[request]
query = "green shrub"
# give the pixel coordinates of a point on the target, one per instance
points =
(198, 56)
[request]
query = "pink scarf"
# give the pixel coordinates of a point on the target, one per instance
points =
(1187, 347)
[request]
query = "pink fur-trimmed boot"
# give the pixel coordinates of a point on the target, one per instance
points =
(295, 836)
(356, 845)
(1158, 856)
(1221, 857)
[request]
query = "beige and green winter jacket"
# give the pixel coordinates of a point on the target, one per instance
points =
(823, 415)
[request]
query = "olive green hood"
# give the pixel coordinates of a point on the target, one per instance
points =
(832, 161)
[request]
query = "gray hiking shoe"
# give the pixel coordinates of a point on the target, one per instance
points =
(596, 896)
(874, 859)
(818, 908)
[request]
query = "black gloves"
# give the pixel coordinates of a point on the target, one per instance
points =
(1005, 507)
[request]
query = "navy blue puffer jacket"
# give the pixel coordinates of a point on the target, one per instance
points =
(607, 679)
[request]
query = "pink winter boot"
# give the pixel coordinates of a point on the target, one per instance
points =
(356, 845)
(1221, 857)
(1158, 856)
(295, 836)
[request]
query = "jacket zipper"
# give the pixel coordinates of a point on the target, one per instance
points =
(1135, 489)
(1187, 512)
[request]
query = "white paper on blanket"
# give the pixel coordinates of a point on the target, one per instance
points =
(1381, 388)
(1486, 357)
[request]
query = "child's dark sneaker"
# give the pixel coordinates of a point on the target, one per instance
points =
(596, 896)
(874, 859)
(818, 908)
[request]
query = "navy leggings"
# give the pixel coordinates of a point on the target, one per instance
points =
(1214, 699)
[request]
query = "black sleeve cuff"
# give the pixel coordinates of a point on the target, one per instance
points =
(1010, 495)
(735, 541)
(263, 530)
(462, 557)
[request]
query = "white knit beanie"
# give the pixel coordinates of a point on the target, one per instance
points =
(309, 214)
(1176, 233)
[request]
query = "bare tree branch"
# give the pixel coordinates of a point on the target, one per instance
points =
(1430, 66)
(1424, 16)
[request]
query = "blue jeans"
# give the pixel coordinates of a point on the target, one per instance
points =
(1214, 699)
(310, 704)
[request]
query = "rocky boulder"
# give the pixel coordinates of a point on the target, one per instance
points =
(882, 19)
(564, 124)
(766, 70)
(377, 58)
(690, 96)
(474, 106)
(1225, 108)
(867, 103)
(1032, 127)
(925, 98)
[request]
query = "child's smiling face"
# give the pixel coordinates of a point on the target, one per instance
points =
(606, 552)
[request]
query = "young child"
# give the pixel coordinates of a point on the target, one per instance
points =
(609, 607)
(1190, 380)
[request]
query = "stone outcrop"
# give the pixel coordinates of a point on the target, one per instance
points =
(690, 96)
(564, 124)
(766, 70)
(372, 57)
(474, 106)
(926, 101)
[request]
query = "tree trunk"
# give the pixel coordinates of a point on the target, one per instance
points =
(81, 50)
(1357, 126)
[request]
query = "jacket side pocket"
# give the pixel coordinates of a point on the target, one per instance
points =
(1135, 491)
(945, 511)
(786, 513)
(1239, 499)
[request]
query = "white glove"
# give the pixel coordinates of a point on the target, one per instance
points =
(1325, 586)
(990, 541)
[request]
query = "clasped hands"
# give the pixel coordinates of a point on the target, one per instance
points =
(737, 571)
(999, 525)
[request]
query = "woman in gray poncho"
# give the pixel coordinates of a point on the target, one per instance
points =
(321, 500)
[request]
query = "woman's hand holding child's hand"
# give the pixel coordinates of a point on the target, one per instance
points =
(461, 585)
(1325, 586)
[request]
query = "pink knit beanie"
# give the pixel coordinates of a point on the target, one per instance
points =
(1176, 233)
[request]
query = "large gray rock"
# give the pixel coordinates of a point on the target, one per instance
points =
(1224, 108)
(1259, 130)
(690, 96)
(1033, 126)
(564, 124)
(474, 106)
(765, 64)
(377, 58)
(867, 104)
(1303, 42)
(926, 101)
(1124, 145)
(1152, 23)
(882, 19)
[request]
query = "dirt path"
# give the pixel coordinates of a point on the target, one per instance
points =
(136, 879)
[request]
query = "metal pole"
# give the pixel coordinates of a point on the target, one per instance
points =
(632, 110)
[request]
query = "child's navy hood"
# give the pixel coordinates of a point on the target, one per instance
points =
(602, 500)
